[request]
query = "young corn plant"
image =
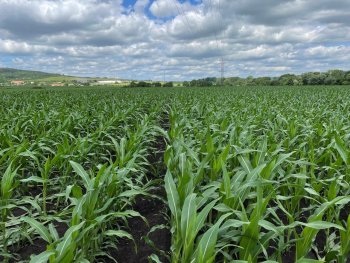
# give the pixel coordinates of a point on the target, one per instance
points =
(8, 185)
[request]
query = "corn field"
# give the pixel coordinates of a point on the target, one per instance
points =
(254, 174)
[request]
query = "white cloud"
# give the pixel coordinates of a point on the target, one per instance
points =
(168, 8)
(101, 37)
(141, 5)
(334, 52)
(14, 47)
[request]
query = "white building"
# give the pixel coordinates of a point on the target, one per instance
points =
(105, 82)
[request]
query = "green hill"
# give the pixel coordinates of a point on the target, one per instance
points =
(8, 74)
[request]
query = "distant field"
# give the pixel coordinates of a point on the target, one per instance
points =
(9, 74)
(56, 79)
(220, 174)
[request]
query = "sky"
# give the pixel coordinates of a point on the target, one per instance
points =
(175, 39)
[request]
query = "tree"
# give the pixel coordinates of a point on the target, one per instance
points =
(156, 84)
(133, 84)
(143, 84)
(263, 81)
(313, 78)
(168, 84)
(330, 80)
(346, 78)
(287, 79)
(337, 75)
(250, 81)
(185, 84)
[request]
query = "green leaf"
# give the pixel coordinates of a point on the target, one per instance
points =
(311, 191)
(188, 215)
(64, 245)
(40, 228)
(172, 195)
(83, 174)
(226, 181)
(53, 232)
(42, 257)
(206, 248)
(339, 146)
(207, 244)
(35, 179)
(262, 152)
(281, 159)
(118, 233)
(130, 193)
(77, 191)
(307, 260)
(245, 164)
(322, 225)
(234, 223)
(7, 182)
(154, 258)
(202, 216)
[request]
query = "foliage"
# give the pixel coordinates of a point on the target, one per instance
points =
(331, 77)
(71, 165)
(257, 174)
(144, 84)
(253, 174)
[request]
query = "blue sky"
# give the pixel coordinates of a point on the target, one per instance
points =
(186, 39)
(127, 3)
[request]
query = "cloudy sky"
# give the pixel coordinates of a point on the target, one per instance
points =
(178, 39)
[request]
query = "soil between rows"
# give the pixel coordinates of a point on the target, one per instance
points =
(154, 210)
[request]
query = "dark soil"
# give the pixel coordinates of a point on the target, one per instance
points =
(282, 216)
(18, 212)
(34, 190)
(38, 246)
(289, 256)
(345, 212)
(165, 123)
(154, 210)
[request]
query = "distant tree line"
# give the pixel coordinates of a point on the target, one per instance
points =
(331, 77)
(145, 84)
(200, 82)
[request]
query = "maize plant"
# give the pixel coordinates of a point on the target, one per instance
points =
(250, 174)
(273, 167)
(71, 172)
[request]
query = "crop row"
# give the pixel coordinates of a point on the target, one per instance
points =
(72, 165)
(258, 176)
(252, 174)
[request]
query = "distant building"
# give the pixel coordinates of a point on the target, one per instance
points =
(105, 82)
(59, 84)
(17, 82)
(82, 81)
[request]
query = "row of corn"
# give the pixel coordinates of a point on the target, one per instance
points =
(253, 174)
(71, 165)
(259, 175)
